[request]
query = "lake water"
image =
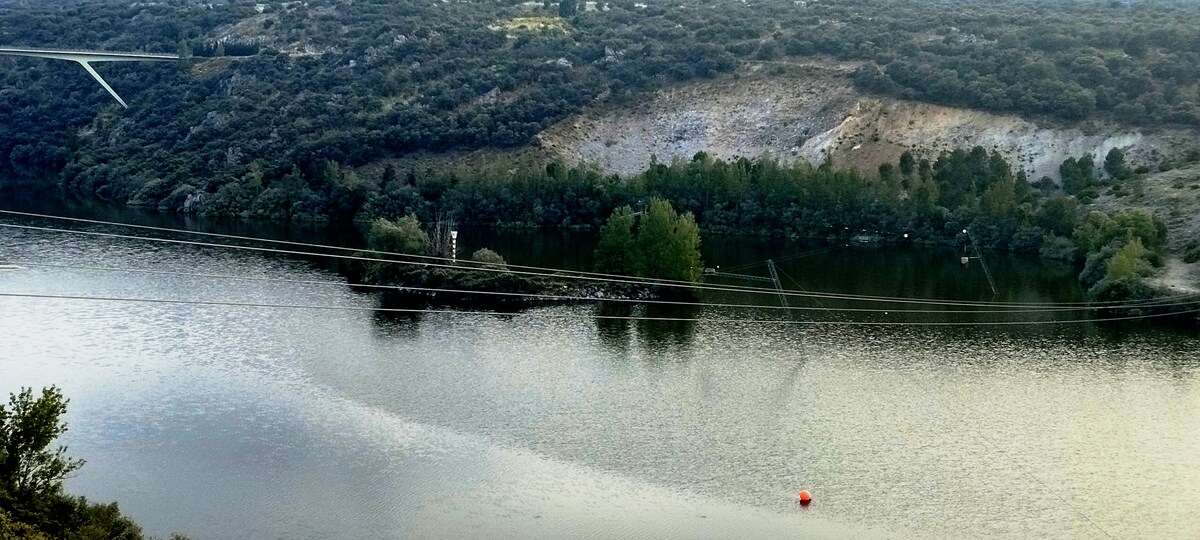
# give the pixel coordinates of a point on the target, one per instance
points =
(241, 422)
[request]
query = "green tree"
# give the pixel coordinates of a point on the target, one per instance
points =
(1000, 197)
(1077, 174)
(1123, 273)
(615, 252)
(1100, 229)
(1058, 247)
(908, 164)
(925, 196)
(1096, 231)
(1058, 215)
(668, 244)
(401, 236)
(1127, 263)
(1114, 164)
(29, 470)
(388, 177)
(32, 502)
(890, 184)
(1144, 225)
(659, 243)
(11, 528)
(1021, 188)
(686, 253)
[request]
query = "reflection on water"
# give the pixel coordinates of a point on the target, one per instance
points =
(245, 422)
(615, 333)
(667, 336)
(617, 324)
(396, 324)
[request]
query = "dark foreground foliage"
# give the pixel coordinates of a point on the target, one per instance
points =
(32, 502)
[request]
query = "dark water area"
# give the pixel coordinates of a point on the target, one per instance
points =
(875, 269)
(225, 421)
(51, 201)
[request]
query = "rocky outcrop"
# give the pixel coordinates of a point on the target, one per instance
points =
(813, 111)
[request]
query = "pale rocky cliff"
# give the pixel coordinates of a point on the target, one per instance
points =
(809, 111)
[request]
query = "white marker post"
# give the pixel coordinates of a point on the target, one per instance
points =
(454, 245)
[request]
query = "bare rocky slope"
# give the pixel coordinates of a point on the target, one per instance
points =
(809, 111)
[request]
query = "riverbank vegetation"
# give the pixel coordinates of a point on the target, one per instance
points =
(33, 505)
(908, 201)
(1122, 250)
(659, 243)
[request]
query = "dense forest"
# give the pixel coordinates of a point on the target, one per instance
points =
(301, 83)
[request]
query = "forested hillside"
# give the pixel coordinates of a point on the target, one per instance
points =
(269, 95)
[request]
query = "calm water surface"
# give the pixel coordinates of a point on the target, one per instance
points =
(234, 422)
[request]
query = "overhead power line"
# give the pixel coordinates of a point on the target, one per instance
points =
(1013, 308)
(550, 272)
(555, 297)
(466, 263)
(557, 272)
(456, 263)
(543, 314)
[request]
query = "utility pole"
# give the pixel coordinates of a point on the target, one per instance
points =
(775, 281)
(983, 263)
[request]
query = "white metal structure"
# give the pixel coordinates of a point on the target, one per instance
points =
(85, 59)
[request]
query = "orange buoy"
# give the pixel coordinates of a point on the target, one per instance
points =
(805, 497)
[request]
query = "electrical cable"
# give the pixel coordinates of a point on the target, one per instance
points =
(322, 246)
(540, 314)
(571, 316)
(405, 288)
(547, 272)
(801, 287)
(627, 281)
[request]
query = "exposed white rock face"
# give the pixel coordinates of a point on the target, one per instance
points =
(816, 112)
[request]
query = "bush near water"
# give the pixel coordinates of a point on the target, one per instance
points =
(33, 505)
(658, 243)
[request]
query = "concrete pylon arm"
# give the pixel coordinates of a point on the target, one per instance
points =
(89, 56)
(100, 80)
(85, 57)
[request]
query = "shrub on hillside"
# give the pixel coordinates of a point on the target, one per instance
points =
(489, 258)
(1059, 248)
(401, 236)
